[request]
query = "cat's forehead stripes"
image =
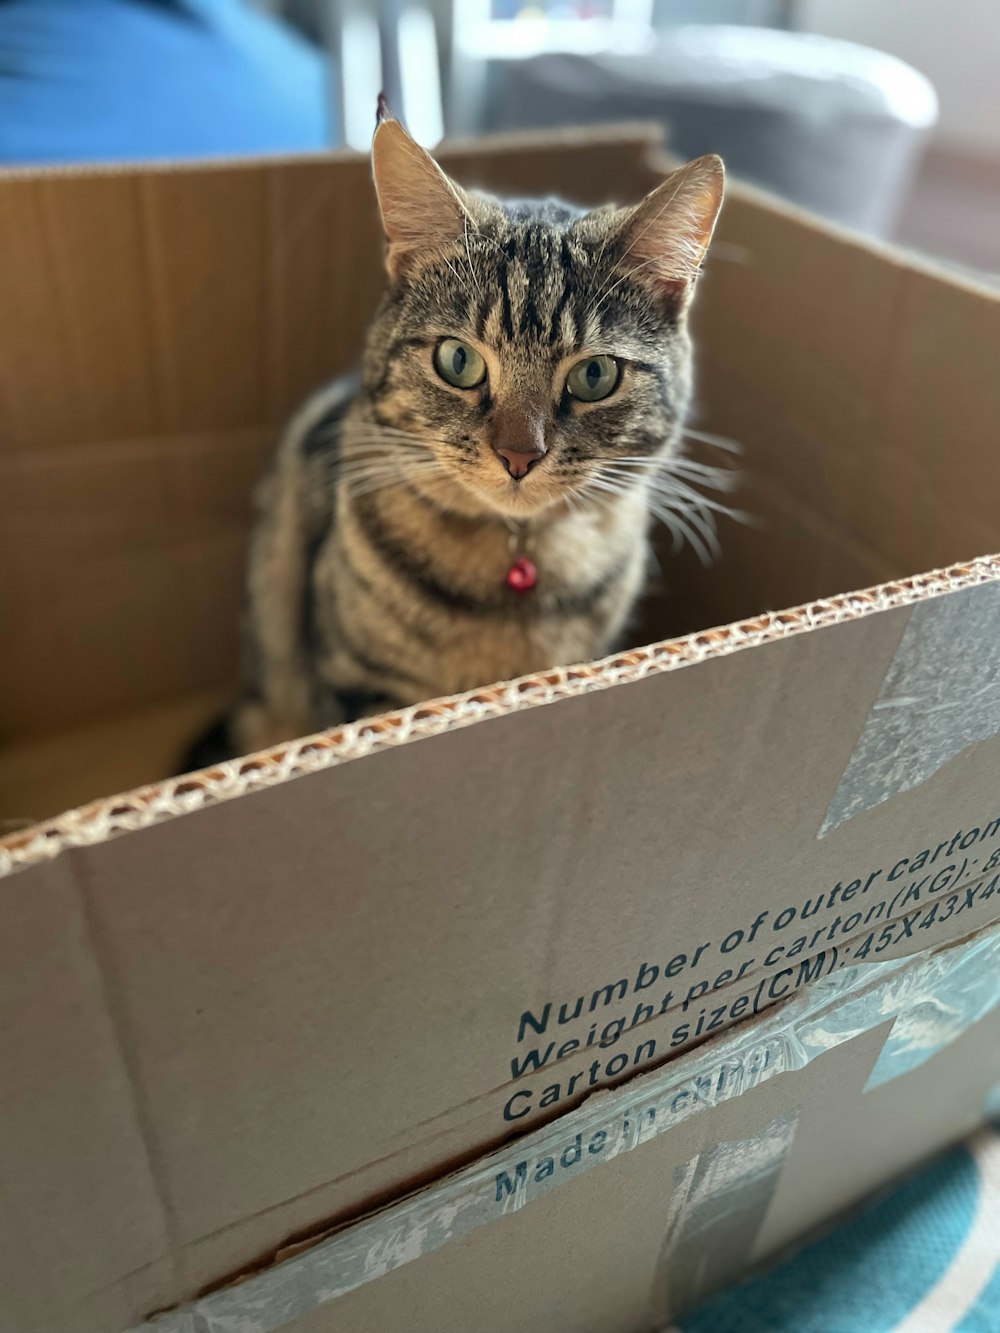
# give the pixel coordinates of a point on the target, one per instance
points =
(533, 281)
(535, 278)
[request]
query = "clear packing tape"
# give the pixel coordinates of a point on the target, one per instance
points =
(930, 999)
(940, 696)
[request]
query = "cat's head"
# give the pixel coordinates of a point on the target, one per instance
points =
(526, 353)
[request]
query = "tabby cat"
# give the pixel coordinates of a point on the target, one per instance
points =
(475, 505)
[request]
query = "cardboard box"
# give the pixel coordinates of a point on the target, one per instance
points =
(338, 1017)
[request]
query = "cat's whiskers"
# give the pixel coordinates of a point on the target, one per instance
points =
(363, 436)
(364, 479)
(717, 478)
(367, 450)
(682, 510)
(379, 432)
(377, 455)
(717, 441)
(675, 491)
(380, 453)
(676, 473)
(676, 521)
(373, 465)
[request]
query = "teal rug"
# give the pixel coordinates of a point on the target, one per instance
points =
(924, 1258)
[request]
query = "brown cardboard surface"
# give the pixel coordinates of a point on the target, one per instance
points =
(601, 1232)
(280, 1010)
(62, 769)
(850, 397)
(607, 812)
(79, 1201)
(117, 559)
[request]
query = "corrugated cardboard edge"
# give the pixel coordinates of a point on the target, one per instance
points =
(114, 815)
(835, 1010)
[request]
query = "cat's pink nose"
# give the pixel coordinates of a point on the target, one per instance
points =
(519, 463)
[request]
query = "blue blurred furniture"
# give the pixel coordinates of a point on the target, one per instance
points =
(112, 80)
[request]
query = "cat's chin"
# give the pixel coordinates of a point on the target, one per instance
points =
(534, 496)
(517, 502)
(511, 501)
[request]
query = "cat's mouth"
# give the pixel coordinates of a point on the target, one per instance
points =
(487, 486)
(519, 497)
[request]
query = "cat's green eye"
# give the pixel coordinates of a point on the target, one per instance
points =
(593, 378)
(459, 364)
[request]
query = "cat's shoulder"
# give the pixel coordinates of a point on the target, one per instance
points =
(314, 430)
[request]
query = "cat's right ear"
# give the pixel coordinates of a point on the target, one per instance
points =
(422, 210)
(666, 236)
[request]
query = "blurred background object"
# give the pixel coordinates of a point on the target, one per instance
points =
(111, 80)
(833, 104)
(828, 124)
(953, 210)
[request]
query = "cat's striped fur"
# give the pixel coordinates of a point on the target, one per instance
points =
(377, 573)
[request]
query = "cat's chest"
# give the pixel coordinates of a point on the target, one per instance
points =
(453, 609)
(512, 646)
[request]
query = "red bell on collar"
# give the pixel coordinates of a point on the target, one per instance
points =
(522, 575)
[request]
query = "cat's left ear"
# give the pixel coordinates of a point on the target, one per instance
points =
(666, 236)
(421, 208)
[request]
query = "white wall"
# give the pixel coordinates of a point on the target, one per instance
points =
(956, 43)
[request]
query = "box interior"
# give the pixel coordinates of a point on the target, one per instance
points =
(160, 325)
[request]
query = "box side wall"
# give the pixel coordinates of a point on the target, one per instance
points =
(863, 390)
